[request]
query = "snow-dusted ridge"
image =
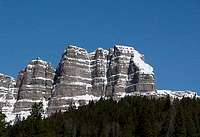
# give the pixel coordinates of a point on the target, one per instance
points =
(4, 75)
(178, 93)
(163, 93)
(143, 67)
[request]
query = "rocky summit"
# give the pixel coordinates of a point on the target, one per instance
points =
(79, 78)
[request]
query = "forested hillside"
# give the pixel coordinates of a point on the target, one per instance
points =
(130, 117)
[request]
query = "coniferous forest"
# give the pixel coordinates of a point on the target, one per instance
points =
(130, 117)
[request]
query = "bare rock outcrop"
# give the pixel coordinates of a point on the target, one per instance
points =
(79, 78)
(35, 84)
(73, 78)
(98, 67)
(113, 72)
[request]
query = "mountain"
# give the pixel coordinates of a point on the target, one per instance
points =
(80, 77)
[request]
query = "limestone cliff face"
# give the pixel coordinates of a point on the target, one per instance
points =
(112, 72)
(119, 63)
(98, 67)
(73, 78)
(79, 78)
(73, 74)
(34, 83)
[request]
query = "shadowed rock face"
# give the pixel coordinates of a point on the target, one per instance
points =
(127, 72)
(118, 70)
(35, 82)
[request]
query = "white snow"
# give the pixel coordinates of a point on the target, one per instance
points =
(104, 78)
(78, 77)
(8, 104)
(43, 64)
(29, 66)
(42, 78)
(105, 52)
(29, 100)
(39, 60)
(79, 60)
(4, 75)
(45, 105)
(143, 67)
(10, 115)
(120, 75)
(23, 114)
(78, 50)
(4, 89)
(79, 84)
(86, 97)
(177, 94)
(161, 93)
(92, 53)
(34, 86)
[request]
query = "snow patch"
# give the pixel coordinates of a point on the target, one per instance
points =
(86, 97)
(137, 59)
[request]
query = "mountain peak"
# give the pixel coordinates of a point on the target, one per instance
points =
(80, 77)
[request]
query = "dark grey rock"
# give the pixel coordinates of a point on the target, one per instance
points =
(35, 82)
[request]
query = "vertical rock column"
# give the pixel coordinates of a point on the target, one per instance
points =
(98, 71)
(140, 74)
(133, 76)
(35, 84)
(118, 70)
(73, 79)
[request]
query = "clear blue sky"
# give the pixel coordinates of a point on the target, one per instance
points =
(167, 32)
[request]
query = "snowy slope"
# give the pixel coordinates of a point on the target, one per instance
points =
(137, 58)
(7, 96)
(177, 94)
(163, 93)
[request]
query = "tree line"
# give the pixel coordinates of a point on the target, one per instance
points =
(132, 116)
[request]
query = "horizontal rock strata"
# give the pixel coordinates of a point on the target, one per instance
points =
(111, 72)
(34, 84)
(79, 78)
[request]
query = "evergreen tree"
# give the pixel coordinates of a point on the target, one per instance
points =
(180, 129)
(130, 117)
(2, 124)
(37, 110)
